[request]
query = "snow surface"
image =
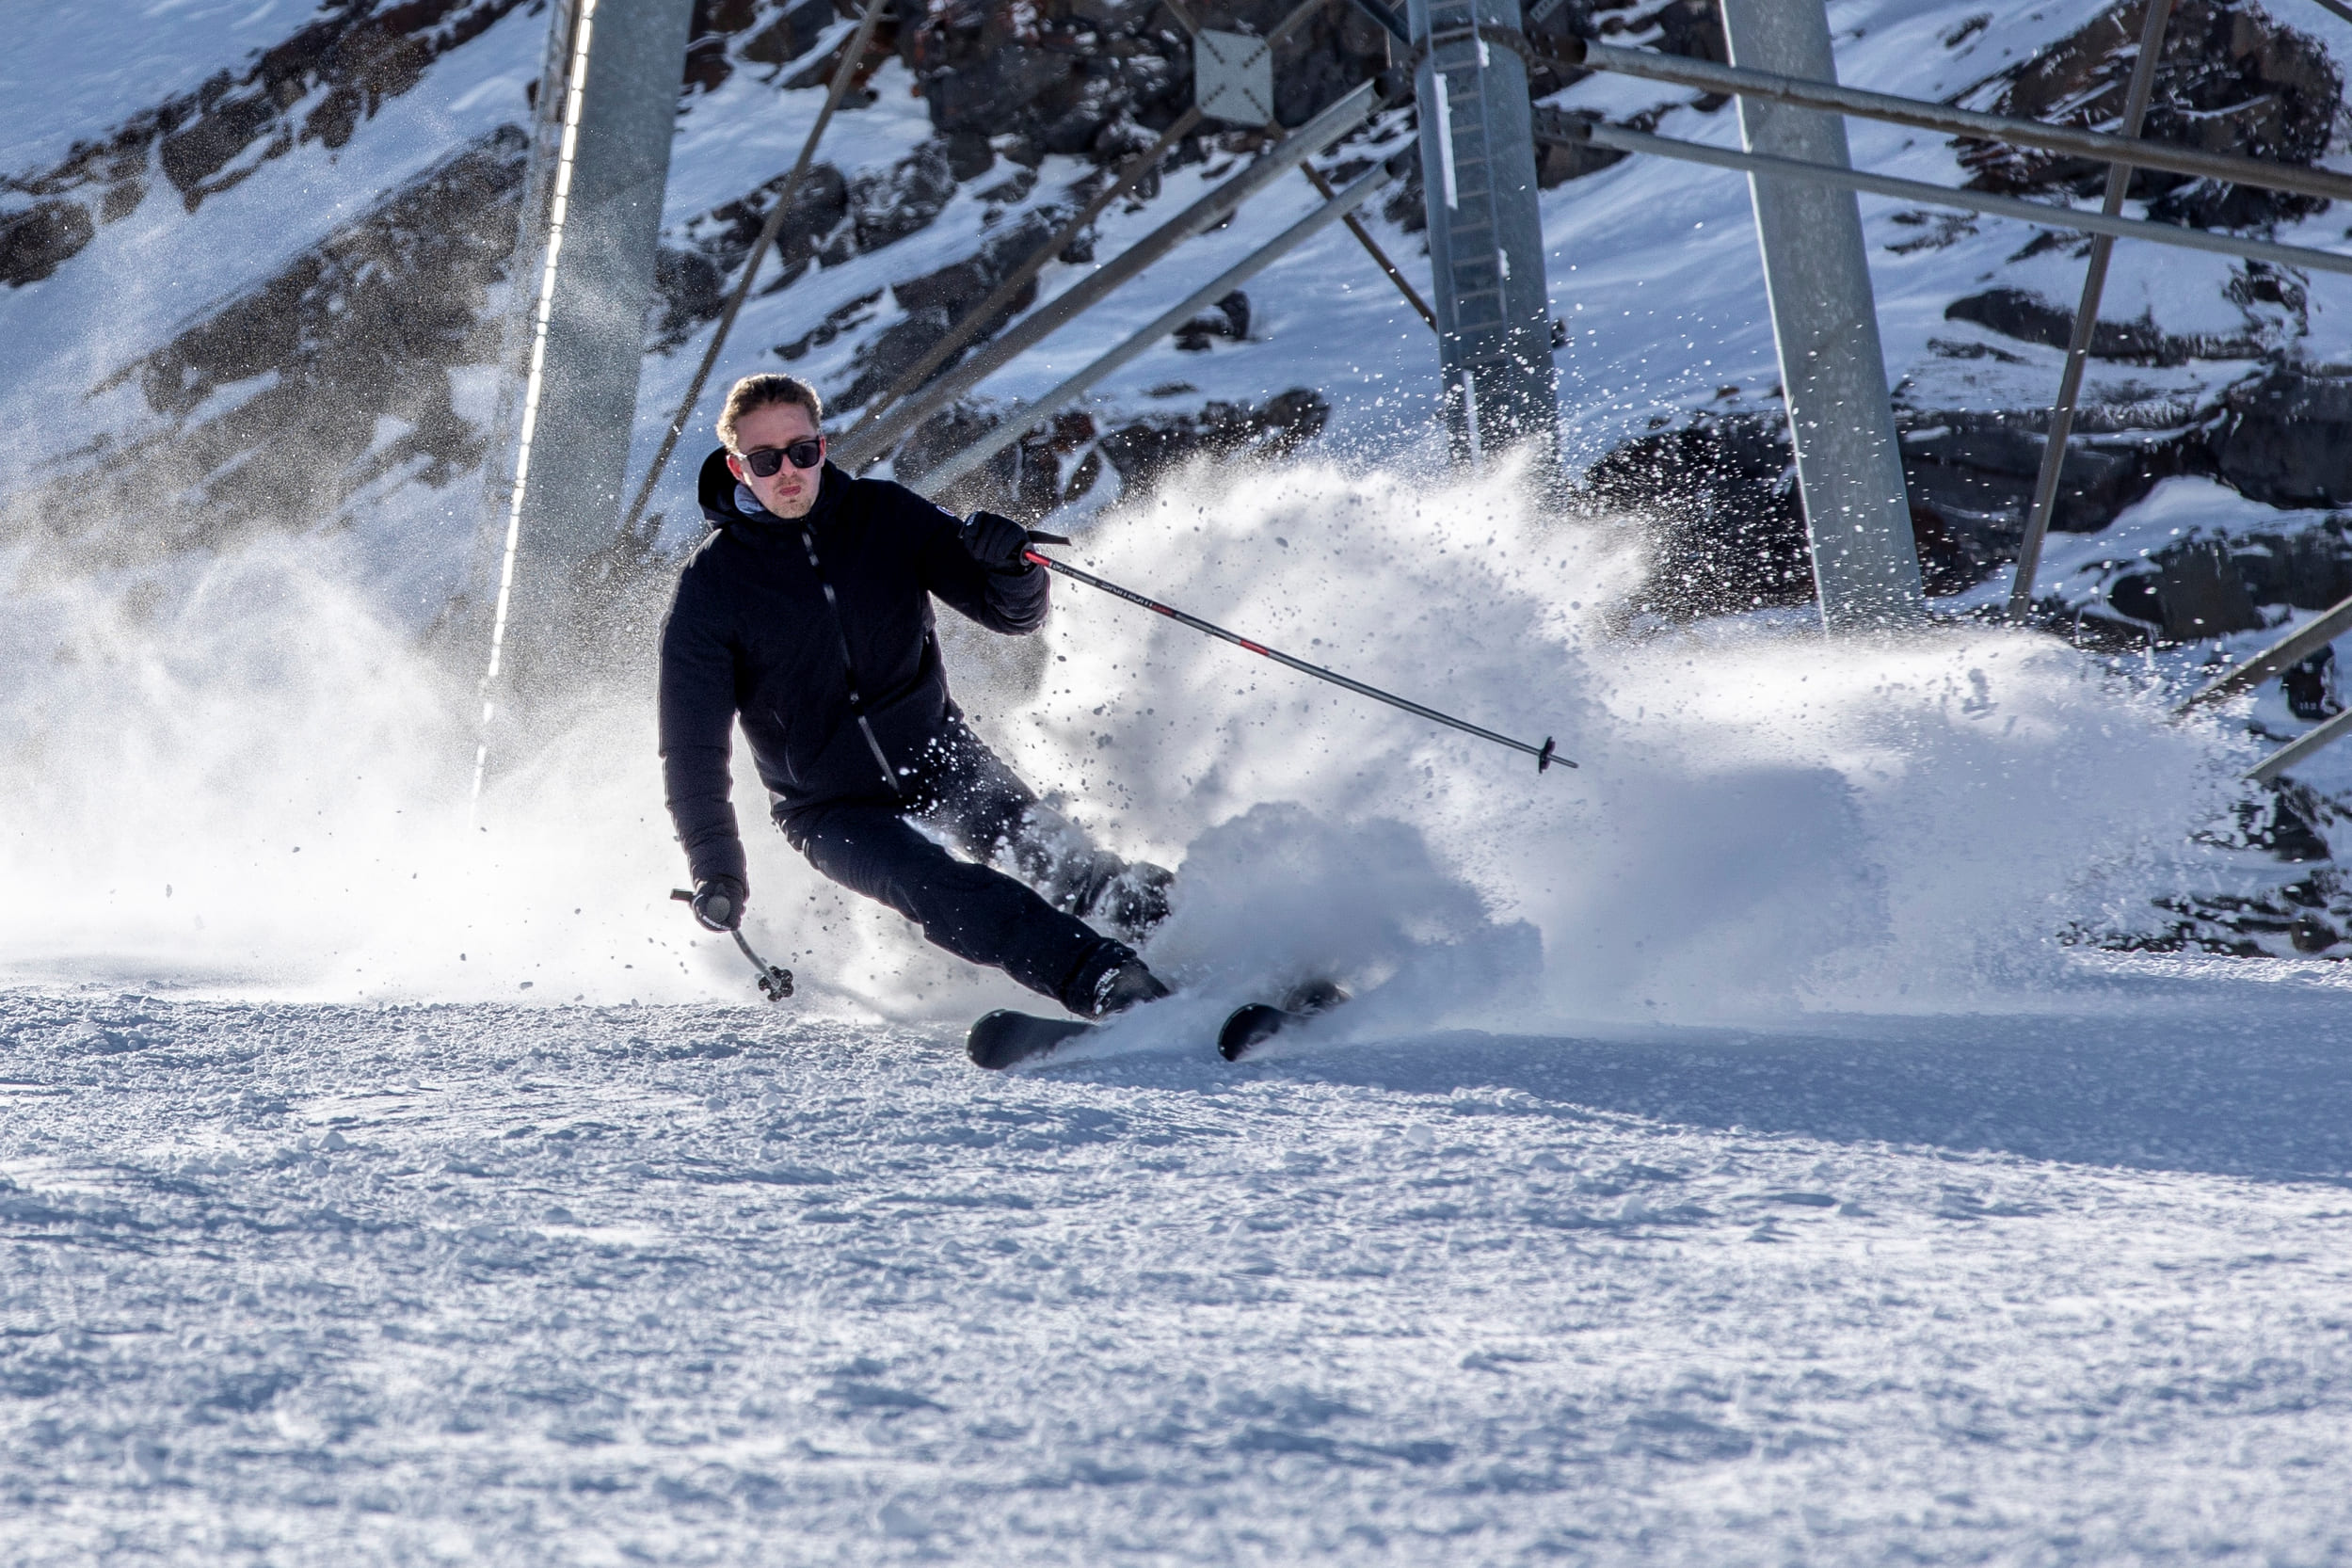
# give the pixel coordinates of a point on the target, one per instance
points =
(1724, 1161)
(310, 1284)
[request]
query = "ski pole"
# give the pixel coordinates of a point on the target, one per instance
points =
(776, 981)
(1543, 755)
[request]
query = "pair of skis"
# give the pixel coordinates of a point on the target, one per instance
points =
(1006, 1038)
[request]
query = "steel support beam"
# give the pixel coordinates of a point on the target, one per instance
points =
(1075, 385)
(1485, 231)
(999, 298)
(593, 283)
(978, 315)
(1827, 95)
(2086, 320)
(1552, 125)
(1372, 248)
(869, 444)
(1825, 322)
(2284, 654)
(2307, 744)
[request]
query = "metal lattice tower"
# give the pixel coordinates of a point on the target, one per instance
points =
(1486, 234)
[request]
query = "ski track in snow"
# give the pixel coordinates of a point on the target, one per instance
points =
(301, 1284)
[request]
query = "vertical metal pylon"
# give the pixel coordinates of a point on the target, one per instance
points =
(1825, 323)
(1486, 232)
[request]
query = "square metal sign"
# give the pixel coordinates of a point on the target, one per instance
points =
(1233, 77)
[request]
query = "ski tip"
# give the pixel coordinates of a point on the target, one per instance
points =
(1247, 1026)
(999, 1039)
(1253, 1024)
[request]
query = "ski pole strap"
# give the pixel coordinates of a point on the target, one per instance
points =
(1545, 754)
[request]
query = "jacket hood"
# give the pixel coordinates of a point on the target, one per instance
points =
(727, 502)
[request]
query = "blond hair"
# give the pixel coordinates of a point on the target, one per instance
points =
(767, 391)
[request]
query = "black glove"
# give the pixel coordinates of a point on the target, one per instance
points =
(719, 903)
(996, 542)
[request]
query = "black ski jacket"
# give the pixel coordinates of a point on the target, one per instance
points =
(817, 633)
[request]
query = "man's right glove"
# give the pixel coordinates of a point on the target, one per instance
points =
(995, 541)
(719, 903)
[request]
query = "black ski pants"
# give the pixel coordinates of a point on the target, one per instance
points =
(1029, 928)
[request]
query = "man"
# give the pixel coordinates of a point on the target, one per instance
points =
(807, 614)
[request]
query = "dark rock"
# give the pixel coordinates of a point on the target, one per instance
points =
(1556, 163)
(792, 33)
(1974, 474)
(1693, 29)
(1407, 206)
(976, 94)
(817, 70)
(2196, 584)
(855, 314)
(2286, 439)
(38, 240)
(939, 438)
(1228, 318)
(1014, 187)
(966, 282)
(886, 208)
(1023, 481)
(2233, 79)
(968, 155)
(1145, 449)
(720, 241)
(938, 300)
(690, 290)
(2202, 596)
(2309, 570)
(891, 355)
(2310, 685)
(1721, 492)
(2029, 318)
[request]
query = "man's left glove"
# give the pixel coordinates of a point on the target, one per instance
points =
(719, 903)
(995, 541)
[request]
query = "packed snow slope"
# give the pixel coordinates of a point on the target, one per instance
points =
(308, 1284)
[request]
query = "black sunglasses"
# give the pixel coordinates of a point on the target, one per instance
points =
(766, 460)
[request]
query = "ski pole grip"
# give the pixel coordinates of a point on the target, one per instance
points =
(681, 895)
(1040, 536)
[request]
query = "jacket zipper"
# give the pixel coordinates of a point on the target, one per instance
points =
(849, 666)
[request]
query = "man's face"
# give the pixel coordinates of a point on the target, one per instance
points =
(789, 492)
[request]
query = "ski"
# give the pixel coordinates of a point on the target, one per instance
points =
(1003, 1038)
(1251, 1026)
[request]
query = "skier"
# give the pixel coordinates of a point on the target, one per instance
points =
(805, 613)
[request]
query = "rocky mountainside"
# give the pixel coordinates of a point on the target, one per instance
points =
(374, 320)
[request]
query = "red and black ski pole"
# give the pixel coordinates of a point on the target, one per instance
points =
(1542, 754)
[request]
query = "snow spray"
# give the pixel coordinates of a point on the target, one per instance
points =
(246, 777)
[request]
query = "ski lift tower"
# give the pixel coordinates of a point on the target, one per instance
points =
(584, 274)
(1485, 231)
